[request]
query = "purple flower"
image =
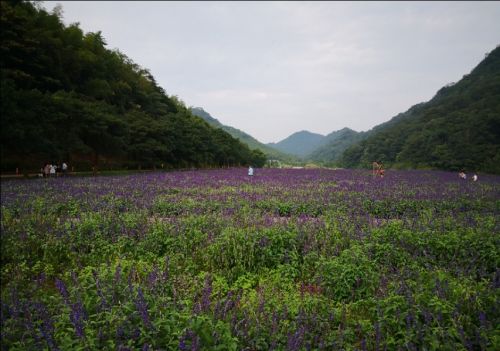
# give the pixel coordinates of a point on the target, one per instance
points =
(482, 319)
(77, 317)
(206, 294)
(47, 326)
(103, 303)
(118, 272)
(77, 312)
(142, 308)
(63, 290)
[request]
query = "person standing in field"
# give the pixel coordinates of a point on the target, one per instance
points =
(64, 168)
(46, 170)
(52, 171)
(474, 178)
(378, 169)
(250, 171)
(381, 170)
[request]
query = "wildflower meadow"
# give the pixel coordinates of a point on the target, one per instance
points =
(289, 259)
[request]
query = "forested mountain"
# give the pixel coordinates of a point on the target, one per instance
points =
(245, 138)
(65, 96)
(334, 145)
(300, 143)
(458, 128)
(200, 112)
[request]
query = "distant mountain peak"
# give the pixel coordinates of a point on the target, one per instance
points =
(305, 132)
(240, 135)
(299, 143)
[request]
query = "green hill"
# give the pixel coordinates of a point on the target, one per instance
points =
(300, 143)
(334, 145)
(458, 128)
(66, 97)
(245, 138)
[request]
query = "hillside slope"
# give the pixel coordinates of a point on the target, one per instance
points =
(334, 145)
(65, 96)
(245, 138)
(458, 128)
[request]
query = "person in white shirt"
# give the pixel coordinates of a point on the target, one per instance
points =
(474, 177)
(250, 171)
(52, 170)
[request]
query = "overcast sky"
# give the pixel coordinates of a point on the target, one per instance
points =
(275, 68)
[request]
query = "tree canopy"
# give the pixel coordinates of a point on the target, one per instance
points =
(65, 96)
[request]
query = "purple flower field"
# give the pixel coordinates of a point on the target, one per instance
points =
(289, 259)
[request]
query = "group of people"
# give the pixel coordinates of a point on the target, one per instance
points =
(52, 170)
(378, 170)
(463, 176)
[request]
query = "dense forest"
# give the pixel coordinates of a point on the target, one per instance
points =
(459, 128)
(66, 97)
